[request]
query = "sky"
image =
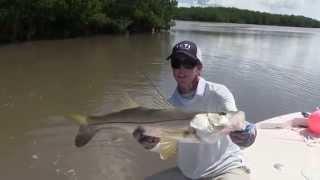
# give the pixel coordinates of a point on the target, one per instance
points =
(308, 8)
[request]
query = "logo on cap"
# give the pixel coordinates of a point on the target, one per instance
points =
(183, 46)
(186, 48)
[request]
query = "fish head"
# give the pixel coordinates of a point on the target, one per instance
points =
(209, 123)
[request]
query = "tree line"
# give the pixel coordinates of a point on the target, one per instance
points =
(234, 15)
(45, 19)
(22, 20)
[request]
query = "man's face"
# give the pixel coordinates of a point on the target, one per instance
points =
(186, 76)
(185, 71)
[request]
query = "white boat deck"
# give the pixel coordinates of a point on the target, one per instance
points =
(282, 152)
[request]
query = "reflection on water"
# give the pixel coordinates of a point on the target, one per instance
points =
(270, 70)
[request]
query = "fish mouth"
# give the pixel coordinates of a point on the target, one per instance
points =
(85, 134)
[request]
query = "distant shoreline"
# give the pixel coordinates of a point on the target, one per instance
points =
(62, 19)
(241, 16)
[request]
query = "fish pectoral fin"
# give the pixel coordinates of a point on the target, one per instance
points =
(168, 141)
(175, 133)
(168, 148)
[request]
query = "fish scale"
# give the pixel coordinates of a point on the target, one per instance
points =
(168, 124)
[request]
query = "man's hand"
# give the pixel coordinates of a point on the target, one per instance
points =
(246, 137)
(148, 142)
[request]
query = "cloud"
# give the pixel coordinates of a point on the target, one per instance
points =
(283, 4)
(308, 8)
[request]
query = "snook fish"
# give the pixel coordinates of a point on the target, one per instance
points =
(169, 124)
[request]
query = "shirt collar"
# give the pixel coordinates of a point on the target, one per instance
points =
(201, 87)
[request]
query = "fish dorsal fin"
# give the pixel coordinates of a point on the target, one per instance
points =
(159, 101)
(128, 101)
(152, 99)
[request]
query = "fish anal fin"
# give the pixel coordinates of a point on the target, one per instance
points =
(78, 118)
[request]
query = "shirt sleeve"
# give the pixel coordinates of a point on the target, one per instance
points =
(227, 99)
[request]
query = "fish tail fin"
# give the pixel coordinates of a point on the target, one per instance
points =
(79, 119)
(168, 147)
(84, 135)
(86, 132)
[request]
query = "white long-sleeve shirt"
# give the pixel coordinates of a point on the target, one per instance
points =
(198, 160)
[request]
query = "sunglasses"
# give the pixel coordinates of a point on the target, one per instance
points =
(186, 63)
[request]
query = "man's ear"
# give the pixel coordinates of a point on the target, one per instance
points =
(199, 66)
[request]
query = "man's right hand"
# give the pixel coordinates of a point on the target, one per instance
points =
(148, 142)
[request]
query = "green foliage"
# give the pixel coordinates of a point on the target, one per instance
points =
(234, 15)
(39, 19)
(43, 19)
(153, 13)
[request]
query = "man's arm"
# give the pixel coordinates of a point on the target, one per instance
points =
(227, 99)
(245, 137)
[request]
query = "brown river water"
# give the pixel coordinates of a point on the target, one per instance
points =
(271, 71)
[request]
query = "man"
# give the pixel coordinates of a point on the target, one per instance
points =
(221, 160)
